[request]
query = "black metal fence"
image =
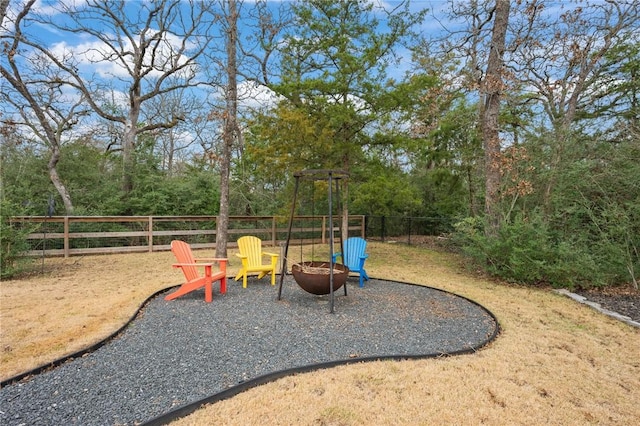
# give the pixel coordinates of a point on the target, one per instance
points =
(406, 229)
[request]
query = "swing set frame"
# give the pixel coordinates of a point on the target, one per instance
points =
(332, 177)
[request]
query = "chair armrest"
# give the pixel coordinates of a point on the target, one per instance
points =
(221, 261)
(269, 254)
(241, 256)
(364, 256)
(179, 265)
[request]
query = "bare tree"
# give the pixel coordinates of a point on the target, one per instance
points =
(566, 66)
(259, 47)
(231, 131)
(36, 98)
(143, 50)
(174, 143)
(244, 59)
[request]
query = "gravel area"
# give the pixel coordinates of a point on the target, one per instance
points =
(179, 352)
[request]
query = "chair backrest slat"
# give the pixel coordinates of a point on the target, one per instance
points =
(354, 247)
(251, 247)
(182, 252)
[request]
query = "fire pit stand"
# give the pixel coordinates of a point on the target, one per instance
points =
(318, 277)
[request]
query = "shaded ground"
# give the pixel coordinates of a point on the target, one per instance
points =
(625, 301)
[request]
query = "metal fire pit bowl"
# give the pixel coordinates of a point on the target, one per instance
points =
(314, 277)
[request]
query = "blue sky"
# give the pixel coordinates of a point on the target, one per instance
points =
(84, 47)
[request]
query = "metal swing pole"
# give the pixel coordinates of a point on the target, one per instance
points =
(286, 247)
(331, 240)
(340, 229)
(330, 176)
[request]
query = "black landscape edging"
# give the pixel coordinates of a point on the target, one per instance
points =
(82, 352)
(191, 407)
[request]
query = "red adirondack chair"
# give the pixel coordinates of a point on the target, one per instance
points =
(189, 266)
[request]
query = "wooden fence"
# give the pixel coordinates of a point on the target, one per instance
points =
(78, 235)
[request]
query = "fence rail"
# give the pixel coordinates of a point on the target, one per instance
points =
(77, 235)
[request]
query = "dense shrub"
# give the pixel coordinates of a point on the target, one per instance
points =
(13, 243)
(527, 251)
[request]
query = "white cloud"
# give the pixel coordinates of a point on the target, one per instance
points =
(98, 56)
(256, 96)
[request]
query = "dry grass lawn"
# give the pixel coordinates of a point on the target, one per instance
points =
(555, 362)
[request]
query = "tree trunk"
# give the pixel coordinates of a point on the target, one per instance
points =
(345, 204)
(128, 159)
(491, 88)
(230, 129)
(55, 179)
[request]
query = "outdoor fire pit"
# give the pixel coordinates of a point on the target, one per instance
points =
(314, 277)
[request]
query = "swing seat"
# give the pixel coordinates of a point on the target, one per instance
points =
(353, 256)
(251, 255)
(189, 265)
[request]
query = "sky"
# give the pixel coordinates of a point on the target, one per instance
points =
(84, 47)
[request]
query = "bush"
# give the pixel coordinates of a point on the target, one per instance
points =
(527, 251)
(13, 242)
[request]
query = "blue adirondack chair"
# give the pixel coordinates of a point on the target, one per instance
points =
(354, 257)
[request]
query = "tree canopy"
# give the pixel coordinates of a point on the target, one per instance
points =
(518, 121)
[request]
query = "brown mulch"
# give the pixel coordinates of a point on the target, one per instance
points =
(624, 300)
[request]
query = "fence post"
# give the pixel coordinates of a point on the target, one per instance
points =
(150, 234)
(382, 221)
(66, 237)
(273, 231)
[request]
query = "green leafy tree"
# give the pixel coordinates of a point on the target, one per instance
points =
(334, 85)
(381, 190)
(93, 178)
(23, 173)
(448, 164)
(334, 67)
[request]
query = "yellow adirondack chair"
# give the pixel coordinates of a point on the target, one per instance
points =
(251, 255)
(194, 280)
